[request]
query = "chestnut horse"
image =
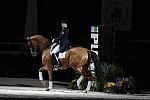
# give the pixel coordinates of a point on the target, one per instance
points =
(82, 60)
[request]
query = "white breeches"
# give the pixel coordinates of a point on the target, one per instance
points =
(56, 49)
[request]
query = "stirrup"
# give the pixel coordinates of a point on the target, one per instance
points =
(56, 67)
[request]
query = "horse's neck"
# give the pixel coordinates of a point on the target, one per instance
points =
(44, 45)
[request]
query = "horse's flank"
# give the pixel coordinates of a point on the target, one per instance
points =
(78, 56)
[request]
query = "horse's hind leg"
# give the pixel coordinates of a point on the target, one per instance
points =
(90, 77)
(89, 84)
(79, 70)
(79, 81)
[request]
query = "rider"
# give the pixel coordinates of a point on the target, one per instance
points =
(63, 42)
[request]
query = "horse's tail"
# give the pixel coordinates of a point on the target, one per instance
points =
(98, 69)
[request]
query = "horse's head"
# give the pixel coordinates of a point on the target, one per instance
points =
(33, 46)
(37, 43)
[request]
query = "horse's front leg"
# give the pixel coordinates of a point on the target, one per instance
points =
(50, 85)
(41, 75)
(89, 86)
(90, 73)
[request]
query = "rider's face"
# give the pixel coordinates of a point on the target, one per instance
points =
(63, 24)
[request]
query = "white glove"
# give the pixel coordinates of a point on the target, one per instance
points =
(53, 40)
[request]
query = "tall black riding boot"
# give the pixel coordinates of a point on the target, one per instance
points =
(55, 62)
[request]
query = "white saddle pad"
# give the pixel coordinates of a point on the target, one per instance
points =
(62, 55)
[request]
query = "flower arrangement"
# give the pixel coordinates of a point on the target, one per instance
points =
(110, 87)
(123, 85)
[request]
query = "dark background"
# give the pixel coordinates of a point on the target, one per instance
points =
(131, 47)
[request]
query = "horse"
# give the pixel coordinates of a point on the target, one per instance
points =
(84, 61)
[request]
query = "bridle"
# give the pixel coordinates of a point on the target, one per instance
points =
(33, 48)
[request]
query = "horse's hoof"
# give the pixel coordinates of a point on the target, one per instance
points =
(47, 89)
(43, 83)
(85, 91)
(79, 88)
